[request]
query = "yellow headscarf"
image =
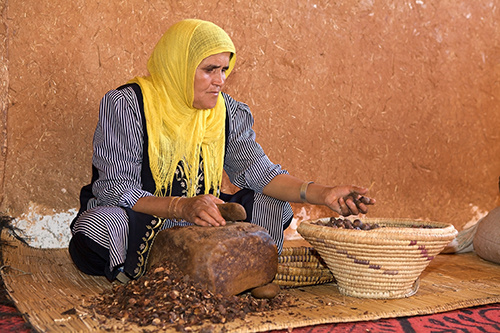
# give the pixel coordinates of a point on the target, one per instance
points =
(178, 132)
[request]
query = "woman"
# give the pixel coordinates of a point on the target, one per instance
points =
(160, 148)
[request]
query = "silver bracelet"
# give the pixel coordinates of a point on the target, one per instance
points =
(303, 190)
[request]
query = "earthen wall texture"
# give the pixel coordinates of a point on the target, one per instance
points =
(398, 96)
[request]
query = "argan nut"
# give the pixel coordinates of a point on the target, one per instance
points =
(357, 223)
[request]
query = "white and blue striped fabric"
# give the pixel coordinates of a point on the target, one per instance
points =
(118, 156)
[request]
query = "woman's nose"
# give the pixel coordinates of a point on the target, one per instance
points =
(219, 78)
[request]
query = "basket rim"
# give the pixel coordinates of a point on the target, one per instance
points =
(394, 229)
(394, 221)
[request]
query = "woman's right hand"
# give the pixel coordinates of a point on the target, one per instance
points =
(201, 210)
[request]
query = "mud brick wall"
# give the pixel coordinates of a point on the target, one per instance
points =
(398, 96)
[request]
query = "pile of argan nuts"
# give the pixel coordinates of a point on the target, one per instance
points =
(344, 223)
(165, 298)
(357, 224)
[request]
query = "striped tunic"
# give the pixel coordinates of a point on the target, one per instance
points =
(118, 156)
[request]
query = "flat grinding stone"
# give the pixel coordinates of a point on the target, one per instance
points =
(228, 260)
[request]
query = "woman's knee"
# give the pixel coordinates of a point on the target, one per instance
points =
(96, 221)
(88, 256)
(101, 212)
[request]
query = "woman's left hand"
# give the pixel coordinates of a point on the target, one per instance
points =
(347, 199)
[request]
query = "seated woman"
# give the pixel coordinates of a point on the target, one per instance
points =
(159, 151)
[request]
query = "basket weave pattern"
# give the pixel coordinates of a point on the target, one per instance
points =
(301, 266)
(378, 263)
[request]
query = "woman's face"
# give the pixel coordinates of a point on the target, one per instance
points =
(209, 79)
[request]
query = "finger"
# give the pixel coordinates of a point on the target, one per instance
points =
(216, 200)
(212, 217)
(362, 208)
(202, 223)
(205, 222)
(208, 211)
(361, 202)
(209, 199)
(216, 215)
(341, 203)
(356, 199)
(352, 205)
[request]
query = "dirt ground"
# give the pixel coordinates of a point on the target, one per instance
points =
(400, 96)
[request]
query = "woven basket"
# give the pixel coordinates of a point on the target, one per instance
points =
(379, 263)
(301, 266)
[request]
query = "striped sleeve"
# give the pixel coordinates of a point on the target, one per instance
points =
(246, 163)
(118, 144)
